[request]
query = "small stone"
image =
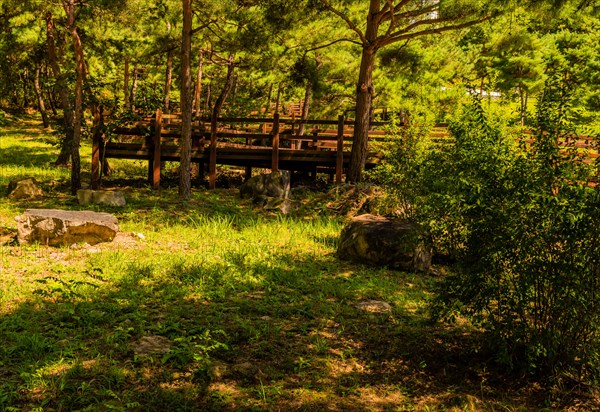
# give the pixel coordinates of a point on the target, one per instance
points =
(27, 188)
(152, 345)
(374, 306)
(79, 246)
(245, 370)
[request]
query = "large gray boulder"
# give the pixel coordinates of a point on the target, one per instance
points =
(381, 241)
(27, 188)
(275, 184)
(64, 228)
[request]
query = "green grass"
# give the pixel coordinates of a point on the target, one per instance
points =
(260, 313)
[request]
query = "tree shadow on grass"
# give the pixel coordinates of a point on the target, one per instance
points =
(24, 156)
(264, 335)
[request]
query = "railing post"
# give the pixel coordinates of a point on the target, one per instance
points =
(275, 154)
(339, 160)
(155, 160)
(212, 162)
(248, 173)
(96, 148)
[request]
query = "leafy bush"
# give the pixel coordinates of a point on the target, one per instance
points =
(525, 231)
(400, 174)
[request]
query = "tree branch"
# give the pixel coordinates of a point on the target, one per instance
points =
(322, 46)
(392, 25)
(349, 22)
(417, 12)
(402, 35)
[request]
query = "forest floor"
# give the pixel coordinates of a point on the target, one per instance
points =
(250, 310)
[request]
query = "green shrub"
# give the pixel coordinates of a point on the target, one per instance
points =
(400, 173)
(525, 231)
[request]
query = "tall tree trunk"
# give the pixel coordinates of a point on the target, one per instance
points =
(364, 96)
(65, 149)
(50, 99)
(25, 78)
(208, 97)
(215, 116)
(235, 88)
(134, 88)
(126, 102)
(169, 80)
(185, 181)
(364, 101)
(226, 88)
(278, 102)
(198, 88)
(40, 96)
(305, 107)
(69, 6)
(268, 102)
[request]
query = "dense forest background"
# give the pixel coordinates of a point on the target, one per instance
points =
(264, 56)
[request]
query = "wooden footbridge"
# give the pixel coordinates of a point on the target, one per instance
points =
(247, 142)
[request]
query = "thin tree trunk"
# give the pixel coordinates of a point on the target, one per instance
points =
(50, 95)
(40, 96)
(65, 149)
(235, 88)
(268, 102)
(278, 102)
(69, 7)
(208, 97)
(185, 181)
(169, 81)
(134, 88)
(25, 87)
(126, 102)
(198, 88)
(226, 88)
(305, 108)
(50, 99)
(215, 116)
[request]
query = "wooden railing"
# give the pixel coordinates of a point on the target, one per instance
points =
(249, 142)
(585, 148)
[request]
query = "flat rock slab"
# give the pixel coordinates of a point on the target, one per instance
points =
(374, 306)
(152, 345)
(64, 228)
(101, 197)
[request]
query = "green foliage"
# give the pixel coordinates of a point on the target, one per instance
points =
(400, 174)
(525, 235)
(3, 118)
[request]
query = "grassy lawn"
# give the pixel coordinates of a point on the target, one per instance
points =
(256, 311)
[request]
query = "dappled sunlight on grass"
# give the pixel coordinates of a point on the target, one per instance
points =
(259, 313)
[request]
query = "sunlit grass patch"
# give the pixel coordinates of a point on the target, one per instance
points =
(259, 312)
